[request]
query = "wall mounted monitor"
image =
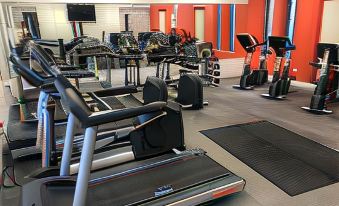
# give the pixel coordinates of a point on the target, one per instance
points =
(81, 12)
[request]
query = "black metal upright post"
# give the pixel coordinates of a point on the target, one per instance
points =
(62, 52)
(126, 22)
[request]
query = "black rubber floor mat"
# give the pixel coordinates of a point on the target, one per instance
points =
(292, 162)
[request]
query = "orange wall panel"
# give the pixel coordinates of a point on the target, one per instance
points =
(279, 26)
(255, 24)
(250, 19)
(256, 18)
(280, 18)
(225, 27)
(185, 18)
(154, 16)
(241, 27)
(306, 37)
(211, 23)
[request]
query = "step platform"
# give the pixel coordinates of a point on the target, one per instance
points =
(268, 96)
(243, 88)
(317, 111)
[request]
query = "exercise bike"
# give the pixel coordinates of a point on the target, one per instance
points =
(327, 86)
(281, 82)
(250, 78)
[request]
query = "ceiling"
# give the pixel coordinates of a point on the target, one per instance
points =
(132, 1)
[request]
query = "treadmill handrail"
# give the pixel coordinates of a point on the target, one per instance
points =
(32, 77)
(51, 68)
(103, 117)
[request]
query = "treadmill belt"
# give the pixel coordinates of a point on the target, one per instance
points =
(292, 162)
(113, 102)
(129, 101)
(29, 110)
(17, 131)
(143, 185)
(22, 168)
(121, 103)
(23, 134)
(90, 86)
(146, 183)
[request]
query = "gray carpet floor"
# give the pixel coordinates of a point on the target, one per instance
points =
(228, 106)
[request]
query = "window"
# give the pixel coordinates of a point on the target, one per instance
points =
(232, 27)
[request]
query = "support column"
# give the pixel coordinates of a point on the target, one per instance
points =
(4, 45)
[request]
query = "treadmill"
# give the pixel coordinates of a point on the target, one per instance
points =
(103, 99)
(21, 136)
(190, 178)
(111, 139)
(181, 177)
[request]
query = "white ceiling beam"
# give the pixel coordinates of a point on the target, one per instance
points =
(131, 1)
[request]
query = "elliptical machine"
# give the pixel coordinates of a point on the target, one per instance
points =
(249, 77)
(327, 86)
(281, 82)
(189, 91)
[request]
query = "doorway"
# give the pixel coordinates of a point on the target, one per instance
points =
(162, 21)
(31, 24)
(199, 14)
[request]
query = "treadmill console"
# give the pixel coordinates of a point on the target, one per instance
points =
(248, 42)
(334, 52)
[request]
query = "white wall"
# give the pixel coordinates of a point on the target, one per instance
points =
(53, 21)
(330, 28)
(231, 67)
(136, 1)
(107, 19)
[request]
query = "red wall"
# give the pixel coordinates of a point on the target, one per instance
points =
(185, 18)
(241, 15)
(211, 26)
(154, 16)
(250, 19)
(256, 16)
(279, 18)
(225, 27)
(278, 28)
(306, 37)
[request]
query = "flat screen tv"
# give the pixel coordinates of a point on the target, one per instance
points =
(81, 12)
